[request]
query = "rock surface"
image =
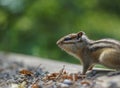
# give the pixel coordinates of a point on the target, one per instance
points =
(50, 65)
(10, 64)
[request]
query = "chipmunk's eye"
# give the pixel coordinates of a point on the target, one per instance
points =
(66, 39)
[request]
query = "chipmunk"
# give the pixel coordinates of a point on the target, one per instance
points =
(90, 52)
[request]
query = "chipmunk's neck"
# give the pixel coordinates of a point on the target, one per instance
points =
(86, 40)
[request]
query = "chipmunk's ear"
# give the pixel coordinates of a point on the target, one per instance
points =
(80, 33)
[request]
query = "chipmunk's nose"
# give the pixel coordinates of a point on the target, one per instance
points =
(59, 42)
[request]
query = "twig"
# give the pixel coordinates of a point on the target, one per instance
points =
(60, 73)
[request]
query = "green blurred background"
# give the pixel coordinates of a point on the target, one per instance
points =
(33, 26)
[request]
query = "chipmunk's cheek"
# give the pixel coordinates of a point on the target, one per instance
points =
(66, 47)
(62, 46)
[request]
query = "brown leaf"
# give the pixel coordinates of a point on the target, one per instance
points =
(35, 85)
(26, 72)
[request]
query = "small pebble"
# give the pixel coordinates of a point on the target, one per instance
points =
(14, 86)
(66, 81)
(113, 84)
(64, 85)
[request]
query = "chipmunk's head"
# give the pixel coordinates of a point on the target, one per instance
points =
(72, 42)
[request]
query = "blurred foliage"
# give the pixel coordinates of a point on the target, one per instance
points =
(33, 26)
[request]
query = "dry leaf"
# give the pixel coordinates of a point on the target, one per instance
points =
(26, 72)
